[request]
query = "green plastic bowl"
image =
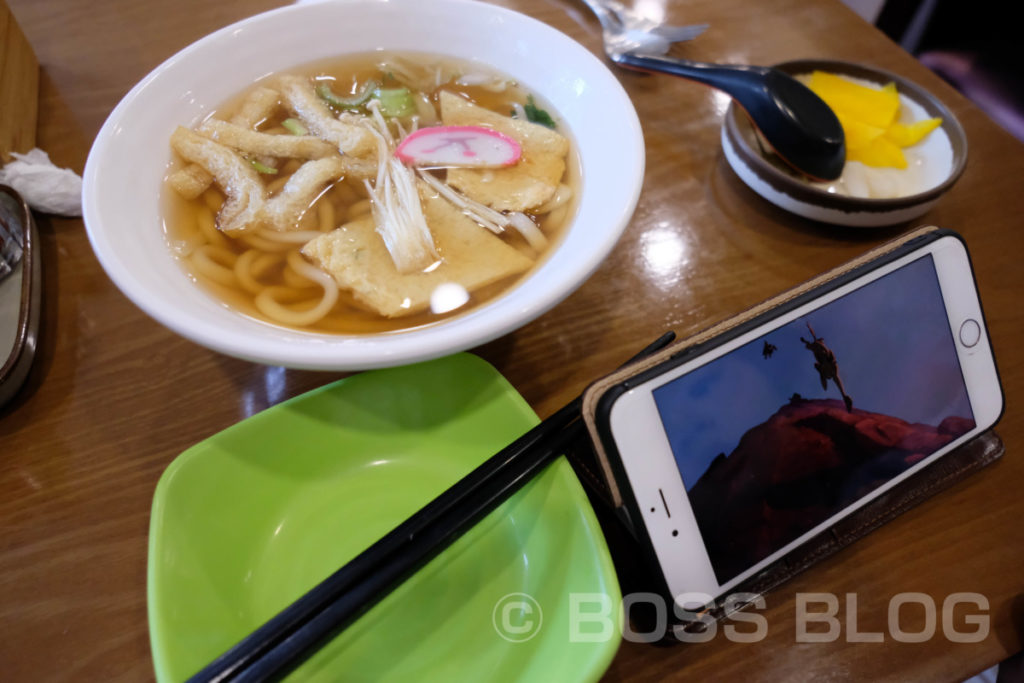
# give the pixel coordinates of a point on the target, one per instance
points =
(250, 519)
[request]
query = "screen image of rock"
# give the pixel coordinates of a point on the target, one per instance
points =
(782, 433)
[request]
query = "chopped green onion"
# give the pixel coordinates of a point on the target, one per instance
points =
(395, 102)
(295, 127)
(537, 115)
(357, 100)
(262, 168)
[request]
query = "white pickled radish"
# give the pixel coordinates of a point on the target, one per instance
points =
(466, 146)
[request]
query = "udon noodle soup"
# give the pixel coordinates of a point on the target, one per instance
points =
(370, 194)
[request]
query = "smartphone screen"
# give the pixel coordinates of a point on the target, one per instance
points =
(780, 434)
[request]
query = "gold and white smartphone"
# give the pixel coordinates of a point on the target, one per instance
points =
(741, 449)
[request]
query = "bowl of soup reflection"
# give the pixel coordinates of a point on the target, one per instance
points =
(329, 186)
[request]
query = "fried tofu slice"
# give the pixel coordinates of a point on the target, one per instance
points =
(254, 143)
(282, 213)
(192, 180)
(520, 187)
(247, 207)
(244, 205)
(350, 139)
(257, 107)
(357, 259)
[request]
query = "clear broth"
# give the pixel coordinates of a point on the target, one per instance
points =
(188, 223)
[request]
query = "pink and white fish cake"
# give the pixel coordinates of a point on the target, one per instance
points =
(467, 146)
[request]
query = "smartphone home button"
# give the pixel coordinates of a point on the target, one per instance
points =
(970, 332)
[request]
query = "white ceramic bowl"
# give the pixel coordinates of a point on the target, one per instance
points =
(129, 158)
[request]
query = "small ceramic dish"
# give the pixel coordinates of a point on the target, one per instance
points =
(938, 160)
(248, 520)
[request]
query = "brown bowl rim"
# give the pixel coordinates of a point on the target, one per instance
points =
(792, 186)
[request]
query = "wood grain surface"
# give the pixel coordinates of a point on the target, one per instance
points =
(19, 88)
(114, 397)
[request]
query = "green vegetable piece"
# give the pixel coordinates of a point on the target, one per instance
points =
(535, 114)
(353, 102)
(295, 127)
(395, 102)
(262, 168)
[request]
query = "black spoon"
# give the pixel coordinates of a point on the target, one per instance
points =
(796, 123)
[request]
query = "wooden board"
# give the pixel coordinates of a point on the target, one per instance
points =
(19, 88)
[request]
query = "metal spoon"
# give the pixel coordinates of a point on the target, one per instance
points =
(795, 122)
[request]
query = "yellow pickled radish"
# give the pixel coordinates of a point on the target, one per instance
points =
(870, 118)
(858, 134)
(906, 134)
(878, 152)
(873, 106)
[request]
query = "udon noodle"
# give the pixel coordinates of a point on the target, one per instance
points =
(305, 203)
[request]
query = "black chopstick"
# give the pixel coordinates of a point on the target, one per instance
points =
(418, 550)
(288, 638)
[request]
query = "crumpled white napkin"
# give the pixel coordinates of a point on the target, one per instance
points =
(43, 185)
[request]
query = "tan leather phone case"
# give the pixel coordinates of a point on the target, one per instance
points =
(595, 469)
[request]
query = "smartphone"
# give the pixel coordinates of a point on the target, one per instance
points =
(739, 450)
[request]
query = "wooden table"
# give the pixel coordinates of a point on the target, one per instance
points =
(114, 397)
